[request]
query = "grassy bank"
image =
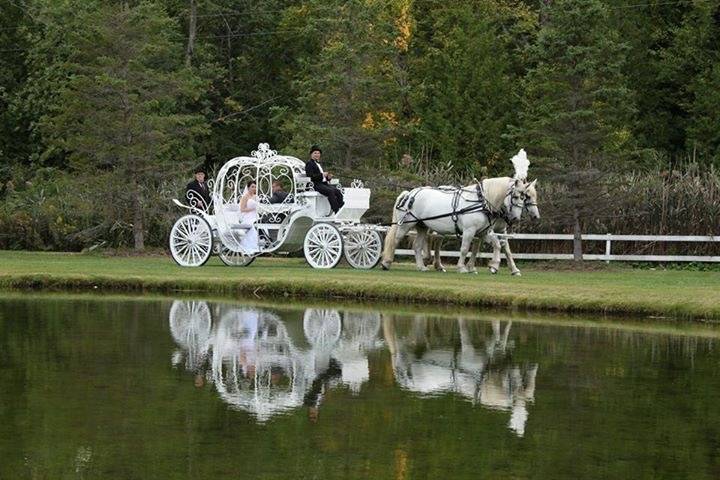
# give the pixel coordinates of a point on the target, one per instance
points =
(617, 290)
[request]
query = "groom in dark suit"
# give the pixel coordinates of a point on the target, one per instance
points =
(320, 179)
(198, 191)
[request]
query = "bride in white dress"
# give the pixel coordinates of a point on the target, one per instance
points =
(248, 216)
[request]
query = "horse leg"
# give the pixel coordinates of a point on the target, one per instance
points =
(494, 264)
(467, 238)
(419, 246)
(427, 250)
(438, 261)
(393, 238)
(508, 256)
(472, 264)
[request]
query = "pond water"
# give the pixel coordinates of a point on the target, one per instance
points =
(103, 388)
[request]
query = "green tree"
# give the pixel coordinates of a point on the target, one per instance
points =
(122, 114)
(13, 135)
(693, 61)
(466, 70)
(576, 107)
(347, 88)
(647, 29)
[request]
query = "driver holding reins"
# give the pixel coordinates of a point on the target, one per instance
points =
(321, 179)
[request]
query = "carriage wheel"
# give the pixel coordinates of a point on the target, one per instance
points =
(190, 320)
(234, 259)
(323, 246)
(191, 241)
(363, 249)
(322, 327)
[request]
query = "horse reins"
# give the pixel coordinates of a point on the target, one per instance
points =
(479, 205)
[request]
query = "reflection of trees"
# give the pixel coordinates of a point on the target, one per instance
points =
(428, 360)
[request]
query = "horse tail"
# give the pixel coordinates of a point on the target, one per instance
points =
(390, 236)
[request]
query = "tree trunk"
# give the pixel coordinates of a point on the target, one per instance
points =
(192, 30)
(138, 233)
(577, 237)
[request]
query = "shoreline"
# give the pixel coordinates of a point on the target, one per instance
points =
(650, 325)
(436, 295)
(613, 291)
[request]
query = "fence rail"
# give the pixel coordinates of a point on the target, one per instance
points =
(608, 255)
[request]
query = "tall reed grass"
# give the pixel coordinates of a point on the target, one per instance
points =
(56, 212)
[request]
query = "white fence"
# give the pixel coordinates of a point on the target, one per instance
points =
(607, 256)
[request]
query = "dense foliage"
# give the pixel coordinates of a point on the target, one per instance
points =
(105, 105)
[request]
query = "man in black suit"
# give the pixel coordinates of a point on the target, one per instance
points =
(320, 180)
(278, 194)
(198, 192)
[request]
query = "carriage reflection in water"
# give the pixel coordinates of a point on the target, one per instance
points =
(264, 366)
(302, 221)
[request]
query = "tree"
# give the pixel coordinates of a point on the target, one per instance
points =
(347, 89)
(121, 115)
(465, 76)
(693, 60)
(576, 107)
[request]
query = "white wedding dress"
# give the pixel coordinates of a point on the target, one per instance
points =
(249, 242)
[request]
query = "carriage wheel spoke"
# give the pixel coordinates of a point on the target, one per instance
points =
(190, 241)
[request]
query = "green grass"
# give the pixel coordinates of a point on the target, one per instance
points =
(615, 290)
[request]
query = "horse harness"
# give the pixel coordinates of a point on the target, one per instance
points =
(479, 205)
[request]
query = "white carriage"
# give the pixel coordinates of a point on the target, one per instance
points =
(302, 221)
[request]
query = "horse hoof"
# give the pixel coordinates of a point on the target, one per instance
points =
(385, 266)
(517, 274)
(493, 270)
(462, 270)
(424, 269)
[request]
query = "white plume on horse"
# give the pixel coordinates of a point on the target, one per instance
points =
(521, 164)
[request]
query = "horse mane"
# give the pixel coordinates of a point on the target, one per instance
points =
(495, 190)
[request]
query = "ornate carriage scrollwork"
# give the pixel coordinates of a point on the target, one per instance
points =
(287, 218)
(195, 200)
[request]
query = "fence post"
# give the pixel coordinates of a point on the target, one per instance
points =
(607, 248)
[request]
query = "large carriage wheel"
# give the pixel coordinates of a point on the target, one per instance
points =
(323, 246)
(322, 327)
(234, 259)
(363, 248)
(191, 241)
(190, 320)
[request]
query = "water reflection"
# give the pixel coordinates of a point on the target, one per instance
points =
(259, 364)
(482, 374)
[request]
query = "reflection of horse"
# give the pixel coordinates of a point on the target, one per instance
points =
(480, 375)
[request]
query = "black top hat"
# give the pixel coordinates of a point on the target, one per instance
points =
(200, 169)
(315, 148)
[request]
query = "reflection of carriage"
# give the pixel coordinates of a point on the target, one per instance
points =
(255, 363)
(303, 220)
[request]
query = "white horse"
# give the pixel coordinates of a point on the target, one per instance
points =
(499, 225)
(467, 212)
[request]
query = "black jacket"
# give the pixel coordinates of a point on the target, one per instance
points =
(278, 197)
(312, 170)
(198, 189)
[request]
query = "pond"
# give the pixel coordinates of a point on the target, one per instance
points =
(156, 388)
